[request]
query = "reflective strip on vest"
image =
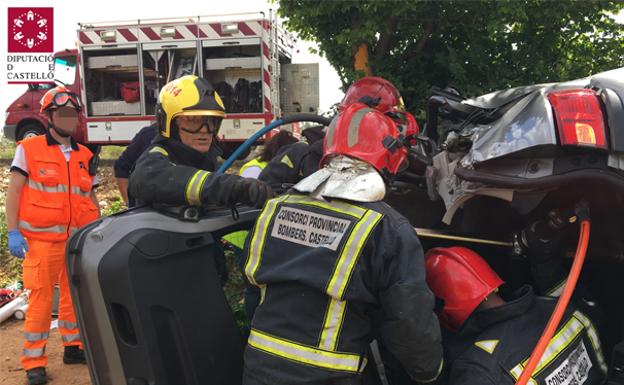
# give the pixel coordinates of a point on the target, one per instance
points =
(34, 337)
(59, 229)
(341, 275)
(350, 253)
(255, 162)
(33, 353)
(193, 187)
(557, 290)
(332, 324)
(259, 235)
(70, 337)
(346, 362)
(78, 191)
(593, 338)
(560, 341)
(67, 324)
(338, 206)
(159, 150)
(60, 188)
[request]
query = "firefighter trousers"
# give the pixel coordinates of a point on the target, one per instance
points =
(43, 268)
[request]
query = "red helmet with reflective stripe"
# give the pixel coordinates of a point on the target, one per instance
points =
(372, 88)
(58, 97)
(462, 279)
(366, 134)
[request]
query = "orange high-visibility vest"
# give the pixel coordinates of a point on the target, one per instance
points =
(56, 198)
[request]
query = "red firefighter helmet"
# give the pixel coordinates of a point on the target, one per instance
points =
(361, 145)
(366, 134)
(58, 97)
(462, 279)
(372, 88)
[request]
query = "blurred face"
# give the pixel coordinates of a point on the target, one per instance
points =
(65, 119)
(197, 131)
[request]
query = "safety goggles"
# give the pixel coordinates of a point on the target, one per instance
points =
(62, 98)
(194, 124)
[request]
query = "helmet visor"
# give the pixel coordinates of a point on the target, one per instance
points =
(61, 99)
(194, 124)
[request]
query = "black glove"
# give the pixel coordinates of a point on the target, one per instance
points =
(250, 192)
(542, 247)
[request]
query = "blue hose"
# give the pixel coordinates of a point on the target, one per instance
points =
(276, 123)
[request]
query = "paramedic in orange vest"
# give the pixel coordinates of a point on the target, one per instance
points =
(50, 196)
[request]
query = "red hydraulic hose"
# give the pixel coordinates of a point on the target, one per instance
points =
(562, 304)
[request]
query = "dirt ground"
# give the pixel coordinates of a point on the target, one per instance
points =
(11, 373)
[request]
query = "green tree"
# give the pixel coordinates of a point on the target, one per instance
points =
(475, 46)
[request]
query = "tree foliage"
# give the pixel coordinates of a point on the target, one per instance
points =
(475, 46)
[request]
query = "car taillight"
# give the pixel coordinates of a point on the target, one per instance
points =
(579, 118)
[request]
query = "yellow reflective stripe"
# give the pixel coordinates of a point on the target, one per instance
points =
(487, 345)
(557, 344)
(286, 160)
(193, 187)
(159, 150)
(332, 324)
(255, 162)
(557, 290)
(593, 338)
(337, 206)
(350, 253)
(59, 188)
(258, 237)
(347, 362)
(51, 229)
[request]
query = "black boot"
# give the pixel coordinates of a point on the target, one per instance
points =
(73, 355)
(37, 376)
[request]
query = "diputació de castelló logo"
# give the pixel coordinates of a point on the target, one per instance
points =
(30, 30)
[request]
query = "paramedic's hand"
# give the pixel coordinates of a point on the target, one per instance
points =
(252, 192)
(17, 244)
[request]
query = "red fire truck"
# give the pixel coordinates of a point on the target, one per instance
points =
(118, 69)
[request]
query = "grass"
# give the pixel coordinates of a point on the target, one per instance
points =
(111, 152)
(7, 148)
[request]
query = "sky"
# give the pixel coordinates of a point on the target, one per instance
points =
(68, 13)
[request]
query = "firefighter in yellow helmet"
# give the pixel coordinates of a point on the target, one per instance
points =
(177, 168)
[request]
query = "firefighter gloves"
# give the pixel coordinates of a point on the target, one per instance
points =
(17, 244)
(250, 192)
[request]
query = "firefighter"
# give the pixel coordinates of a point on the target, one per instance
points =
(337, 268)
(491, 338)
(300, 160)
(176, 169)
(50, 195)
(127, 160)
(295, 161)
(254, 167)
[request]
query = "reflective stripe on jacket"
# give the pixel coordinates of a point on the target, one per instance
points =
(56, 198)
(332, 275)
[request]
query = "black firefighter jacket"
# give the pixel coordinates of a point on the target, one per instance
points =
(333, 277)
(291, 164)
(494, 344)
(174, 174)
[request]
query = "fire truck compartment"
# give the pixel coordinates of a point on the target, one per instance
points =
(106, 73)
